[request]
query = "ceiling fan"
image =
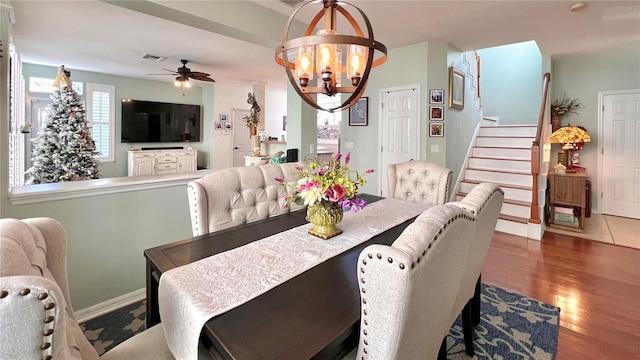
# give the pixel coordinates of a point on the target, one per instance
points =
(184, 73)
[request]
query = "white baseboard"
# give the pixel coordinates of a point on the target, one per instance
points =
(102, 308)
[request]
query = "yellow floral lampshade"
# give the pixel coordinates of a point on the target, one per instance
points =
(572, 138)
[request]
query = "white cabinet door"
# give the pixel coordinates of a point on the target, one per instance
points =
(187, 164)
(144, 166)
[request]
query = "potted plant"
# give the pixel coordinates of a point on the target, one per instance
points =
(561, 108)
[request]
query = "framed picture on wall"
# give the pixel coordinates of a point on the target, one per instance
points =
(456, 88)
(436, 113)
(218, 125)
(436, 129)
(436, 96)
(359, 113)
(228, 125)
(223, 117)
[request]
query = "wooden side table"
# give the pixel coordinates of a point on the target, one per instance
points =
(569, 190)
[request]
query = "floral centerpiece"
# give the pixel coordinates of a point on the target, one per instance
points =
(327, 188)
(561, 108)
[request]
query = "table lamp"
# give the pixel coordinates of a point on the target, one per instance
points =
(572, 138)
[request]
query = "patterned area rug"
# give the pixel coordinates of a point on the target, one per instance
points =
(512, 327)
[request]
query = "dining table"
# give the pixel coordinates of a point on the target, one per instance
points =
(313, 315)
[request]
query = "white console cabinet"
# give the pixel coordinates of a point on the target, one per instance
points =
(151, 162)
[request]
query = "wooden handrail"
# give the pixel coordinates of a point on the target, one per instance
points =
(535, 152)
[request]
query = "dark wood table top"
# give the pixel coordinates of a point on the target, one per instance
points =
(313, 315)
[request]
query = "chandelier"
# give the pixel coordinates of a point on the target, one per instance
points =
(321, 54)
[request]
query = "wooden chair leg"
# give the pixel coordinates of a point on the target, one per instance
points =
(475, 306)
(467, 329)
(442, 354)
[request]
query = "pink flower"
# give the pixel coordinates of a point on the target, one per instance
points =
(278, 179)
(336, 193)
(338, 156)
(347, 158)
(370, 171)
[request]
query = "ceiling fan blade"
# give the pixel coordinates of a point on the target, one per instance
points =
(197, 73)
(159, 74)
(201, 77)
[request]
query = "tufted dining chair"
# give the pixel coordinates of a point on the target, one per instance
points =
(235, 196)
(408, 289)
(419, 181)
(483, 203)
(36, 315)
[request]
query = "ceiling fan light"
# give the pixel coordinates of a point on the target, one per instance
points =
(178, 82)
(187, 83)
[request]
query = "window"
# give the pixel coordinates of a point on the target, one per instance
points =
(100, 107)
(45, 85)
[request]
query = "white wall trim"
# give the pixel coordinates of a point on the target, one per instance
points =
(102, 308)
(465, 163)
(39, 193)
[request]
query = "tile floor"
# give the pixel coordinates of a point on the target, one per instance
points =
(610, 229)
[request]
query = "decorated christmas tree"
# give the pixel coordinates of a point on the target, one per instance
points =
(64, 148)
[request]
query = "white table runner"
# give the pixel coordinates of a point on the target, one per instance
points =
(192, 294)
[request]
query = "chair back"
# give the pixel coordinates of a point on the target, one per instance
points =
(35, 305)
(483, 202)
(408, 289)
(235, 196)
(419, 181)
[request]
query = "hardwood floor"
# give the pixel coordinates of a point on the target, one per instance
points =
(596, 285)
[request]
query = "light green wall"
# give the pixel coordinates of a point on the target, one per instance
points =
(582, 77)
(511, 82)
(138, 89)
(107, 235)
(460, 125)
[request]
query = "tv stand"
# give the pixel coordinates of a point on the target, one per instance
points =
(163, 148)
(164, 161)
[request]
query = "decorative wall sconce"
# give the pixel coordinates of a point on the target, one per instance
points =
(322, 54)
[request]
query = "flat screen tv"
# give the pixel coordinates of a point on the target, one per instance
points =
(149, 121)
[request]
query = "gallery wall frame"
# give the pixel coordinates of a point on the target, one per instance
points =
(436, 113)
(456, 88)
(436, 96)
(436, 129)
(359, 113)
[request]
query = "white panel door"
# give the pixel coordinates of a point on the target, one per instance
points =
(621, 155)
(241, 139)
(400, 131)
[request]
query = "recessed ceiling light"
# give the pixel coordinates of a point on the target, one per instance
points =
(578, 6)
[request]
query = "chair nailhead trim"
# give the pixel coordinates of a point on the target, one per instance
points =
(364, 261)
(48, 357)
(42, 296)
(25, 292)
(370, 256)
(379, 256)
(48, 319)
(401, 266)
(48, 332)
(390, 260)
(45, 346)
(362, 280)
(49, 306)
(3, 294)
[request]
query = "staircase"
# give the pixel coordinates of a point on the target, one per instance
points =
(502, 155)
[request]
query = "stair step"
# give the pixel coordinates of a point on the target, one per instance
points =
(509, 206)
(514, 218)
(511, 192)
(501, 152)
(508, 226)
(518, 178)
(523, 142)
(508, 130)
(500, 163)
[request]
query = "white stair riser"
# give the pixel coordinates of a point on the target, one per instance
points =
(512, 227)
(499, 164)
(504, 142)
(509, 193)
(518, 154)
(508, 131)
(496, 177)
(510, 209)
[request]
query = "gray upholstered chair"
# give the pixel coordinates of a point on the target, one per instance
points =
(37, 318)
(419, 181)
(483, 203)
(235, 196)
(408, 289)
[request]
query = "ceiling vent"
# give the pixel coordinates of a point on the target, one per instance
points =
(292, 2)
(153, 57)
